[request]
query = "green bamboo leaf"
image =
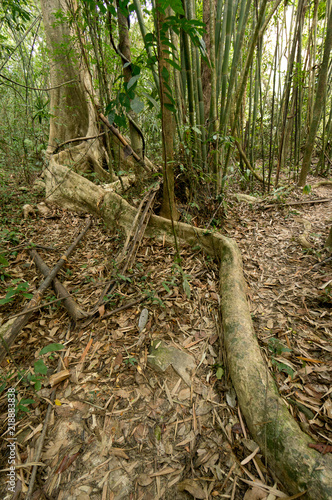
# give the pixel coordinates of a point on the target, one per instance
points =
(171, 107)
(174, 64)
(150, 99)
(165, 74)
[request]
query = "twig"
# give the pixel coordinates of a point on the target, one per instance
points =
(21, 321)
(121, 308)
(34, 88)
(36, 308)
(304, 202)
(137, 230)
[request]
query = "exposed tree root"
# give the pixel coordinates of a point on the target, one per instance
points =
(280, 438)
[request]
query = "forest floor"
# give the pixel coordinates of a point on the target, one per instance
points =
(117, 427)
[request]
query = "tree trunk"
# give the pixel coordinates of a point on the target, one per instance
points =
(319, 103)
(124, 48)
(329, 239)
(68, 107)
(206, 67)
(168, 208)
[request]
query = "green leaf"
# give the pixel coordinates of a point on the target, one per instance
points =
(51, 348)
(120, 121)
(219, 372)
(166, 287)
(150, 99)
(5, 300)
(171, 107)
(40, 367)
(137, 105)
(132, 81)
(22, 404)
(186, 287)
(157, 432)
(149, 38)
(111, 117)
(174, 64)
(176, 5)
(3, 261)
(38, 385)
(165, 74)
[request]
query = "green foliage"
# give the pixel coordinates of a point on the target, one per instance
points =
(219, 370)
(19, 290)
(131, 360)
(276, 348)
(22, 405)
(12, 237)
(3, 264)
(51, 348)
(34, 378)
(15, 13)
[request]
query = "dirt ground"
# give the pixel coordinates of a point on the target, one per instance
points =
(116, 427)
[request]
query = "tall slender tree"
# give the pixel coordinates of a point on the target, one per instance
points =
(319, 102)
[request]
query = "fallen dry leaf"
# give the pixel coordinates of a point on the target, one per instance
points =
(255, 494)
(193, 488)
(321, 447)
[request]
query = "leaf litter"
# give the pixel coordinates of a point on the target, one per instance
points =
(119, 428)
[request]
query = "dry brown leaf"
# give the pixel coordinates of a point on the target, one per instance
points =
(255, 494)
(118, 452)
(193, 488)
(144, 479)
(118, 360)
(101, 310)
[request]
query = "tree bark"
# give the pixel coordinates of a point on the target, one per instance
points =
(206, 67)
(68, 107)
(124, 48)
(168, 208)
(319, 103)
(329, 239)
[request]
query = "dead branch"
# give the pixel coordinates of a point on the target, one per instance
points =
(73, 309)
(11, 334)
(138, 228)
(127, 148)
(130, 248)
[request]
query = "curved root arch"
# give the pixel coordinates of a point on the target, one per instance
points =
(280, 438)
